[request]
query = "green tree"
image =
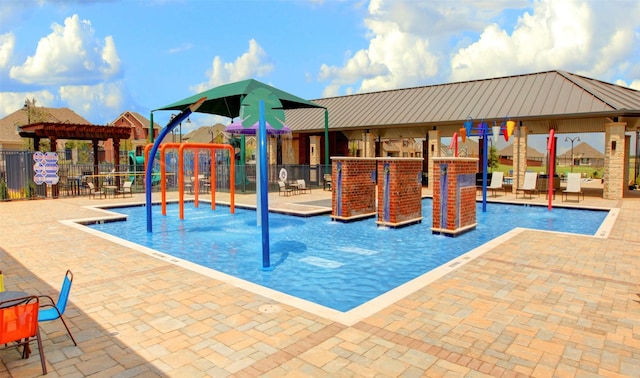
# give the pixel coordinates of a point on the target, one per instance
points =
(494, 160)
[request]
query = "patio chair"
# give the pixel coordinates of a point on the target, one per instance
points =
(496, 182)
(19, 325)
(283, 190)
(55, 310)
(302, 186)
(529, 186)
(326, 182)
(573, 186)
(127, 187)
(93, 191)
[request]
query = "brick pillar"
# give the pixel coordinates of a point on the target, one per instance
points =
(369, 145)
(519, 156)
(314, 150)
(434, 151)
(353, 195)
(454, 195)
(273, 149)
(614, 163)
(399, 191)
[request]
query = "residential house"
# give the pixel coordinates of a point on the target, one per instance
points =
(139, 134)
(10, 140)
(583, 154)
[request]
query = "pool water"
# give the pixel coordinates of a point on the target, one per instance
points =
(337, 265)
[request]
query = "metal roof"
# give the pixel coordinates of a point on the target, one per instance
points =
(554, 99)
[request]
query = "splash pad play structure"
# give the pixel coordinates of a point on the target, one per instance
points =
(196, 147)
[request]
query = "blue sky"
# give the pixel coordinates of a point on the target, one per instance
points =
(101, 58)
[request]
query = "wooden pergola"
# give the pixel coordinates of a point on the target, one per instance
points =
(94, 133)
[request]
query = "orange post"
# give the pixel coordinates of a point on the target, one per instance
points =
(196, 181)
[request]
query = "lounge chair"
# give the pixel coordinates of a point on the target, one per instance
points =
(496, 182)
(573, 186)
(283, 189)
(93, 191)
(302, 186)
(126, 188)
(326, 182)
(529, 186)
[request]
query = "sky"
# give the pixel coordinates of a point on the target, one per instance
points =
(103, 57)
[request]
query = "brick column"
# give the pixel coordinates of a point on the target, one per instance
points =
(614, 156)
(399, 191)
(314, 150)
(519, 156)
(454, 195)
(369, 145)
(273, 149)
(353, 195)
(434, 151)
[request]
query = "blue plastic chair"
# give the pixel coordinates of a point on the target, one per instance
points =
(54, 310)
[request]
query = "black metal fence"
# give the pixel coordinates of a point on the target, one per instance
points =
(17, 176)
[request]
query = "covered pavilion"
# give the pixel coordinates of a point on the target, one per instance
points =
(538, 102)
(94, 133)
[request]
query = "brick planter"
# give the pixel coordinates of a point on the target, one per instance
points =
(454, 195)
(399, 191)
(353, 188)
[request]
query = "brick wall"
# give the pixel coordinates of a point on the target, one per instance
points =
(353, 193)
(454, 195)
(399, 191)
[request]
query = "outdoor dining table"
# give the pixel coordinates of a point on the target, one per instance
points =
(110, 189)
(9, 295)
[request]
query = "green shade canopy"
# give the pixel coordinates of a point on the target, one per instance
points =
(226, 100)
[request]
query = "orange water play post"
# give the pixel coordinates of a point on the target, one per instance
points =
(212, 147)
(196, 181)
(195, 146)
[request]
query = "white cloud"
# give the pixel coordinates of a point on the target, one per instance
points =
(7, 43)
(11, 101)
(394, 58)
(253, 63)
(633, 85)
(417, 43)
(181, 48)
(569, 35)
(100, 101)
(71, 54)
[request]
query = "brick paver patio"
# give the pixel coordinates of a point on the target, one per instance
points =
(535, 304)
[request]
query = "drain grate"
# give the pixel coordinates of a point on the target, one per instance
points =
(269, 308)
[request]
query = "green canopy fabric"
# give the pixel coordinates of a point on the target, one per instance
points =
(225, 100)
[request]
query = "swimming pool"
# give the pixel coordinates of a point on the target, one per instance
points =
(334, 264)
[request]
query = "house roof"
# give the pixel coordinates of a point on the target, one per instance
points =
(531, 152)
(204, 134)
(556, 99)
(583, 150)
(142, 120)
(9, 125)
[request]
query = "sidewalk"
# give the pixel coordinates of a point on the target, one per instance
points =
(534, 304)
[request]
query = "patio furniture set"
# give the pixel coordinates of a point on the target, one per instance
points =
(293, 187)
(21, 313)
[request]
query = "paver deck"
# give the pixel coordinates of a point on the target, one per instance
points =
(533, 304)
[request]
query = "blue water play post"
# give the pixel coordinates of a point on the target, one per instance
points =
(264, 189)
(152, 154)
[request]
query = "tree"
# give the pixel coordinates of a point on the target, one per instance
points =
(494, 160)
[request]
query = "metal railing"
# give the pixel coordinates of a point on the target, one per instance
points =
(17, 177)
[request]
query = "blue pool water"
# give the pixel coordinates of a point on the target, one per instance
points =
(337, 265)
